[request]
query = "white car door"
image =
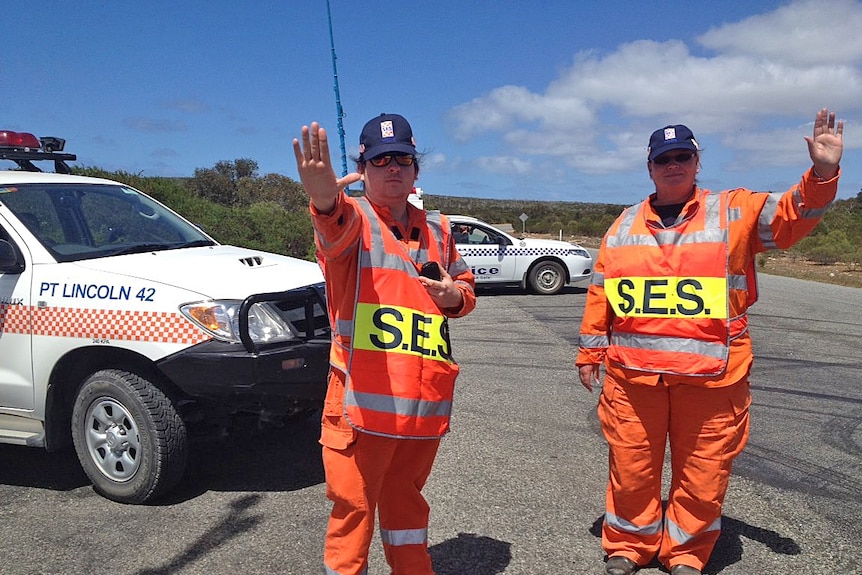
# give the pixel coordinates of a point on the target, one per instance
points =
(16, 364)
(487, 251)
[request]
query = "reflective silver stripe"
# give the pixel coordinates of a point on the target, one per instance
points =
(590, 340)
(680, 536)
(712, 232)
(381, 259)
(322, 240)
(340, 345)
(737, 282)
(343, 327)
(713, 212)
(377, 257)
(743, 332)
(457, 267)
(765, 219)
(626, 219)
(432, 218)
(621, 524)
(371, 216)
(808, 213)
(397, 537)
(397, 405)
(675, 238)
(736, 319)
(328, 571)
(734, 214)
(814, 213)
(662, 238)
(667, 343)
(598, 279)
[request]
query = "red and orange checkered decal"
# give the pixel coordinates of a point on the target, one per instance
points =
(110, 324)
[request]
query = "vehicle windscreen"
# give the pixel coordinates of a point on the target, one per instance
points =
(78, 222)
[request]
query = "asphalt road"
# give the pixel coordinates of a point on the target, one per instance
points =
(518, 486)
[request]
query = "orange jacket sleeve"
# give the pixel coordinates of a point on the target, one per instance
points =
(784, 219)
(336, 232)
(464, 281)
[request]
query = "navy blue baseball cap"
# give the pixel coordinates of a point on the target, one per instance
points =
(676, 137)
(386, 134)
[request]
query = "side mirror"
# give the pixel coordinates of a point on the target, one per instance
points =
(10, 263)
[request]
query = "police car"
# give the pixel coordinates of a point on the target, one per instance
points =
(121, 323)
(497, 258)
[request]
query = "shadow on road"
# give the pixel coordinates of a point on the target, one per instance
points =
(470, 554)
(247, 459)
(250, 459)
(239, 519)
(35, 467)
(728, 548)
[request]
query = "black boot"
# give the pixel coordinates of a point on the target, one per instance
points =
(620, 565)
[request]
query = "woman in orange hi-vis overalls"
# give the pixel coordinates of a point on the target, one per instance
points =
(666, 315)
(392, 371)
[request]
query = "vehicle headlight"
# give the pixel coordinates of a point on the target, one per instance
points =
(221, 319)
(579, 251)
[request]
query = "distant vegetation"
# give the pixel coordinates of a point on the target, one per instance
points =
(569, 218)
(236, 205)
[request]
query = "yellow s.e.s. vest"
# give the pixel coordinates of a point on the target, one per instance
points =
(676, 307)
(395, 350)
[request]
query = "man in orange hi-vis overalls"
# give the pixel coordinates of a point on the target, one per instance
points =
(392, 371)
(666, 315)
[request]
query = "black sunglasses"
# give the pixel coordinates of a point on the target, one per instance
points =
(381, 161)
(682, 158)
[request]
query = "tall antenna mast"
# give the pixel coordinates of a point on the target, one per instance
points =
(338, 109)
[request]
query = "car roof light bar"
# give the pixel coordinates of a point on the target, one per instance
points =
(19, 140)
(23, 147)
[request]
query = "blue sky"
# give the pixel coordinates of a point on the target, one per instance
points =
(550, 100)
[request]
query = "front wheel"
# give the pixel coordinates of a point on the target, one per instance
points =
(129, 438)
(547, 278)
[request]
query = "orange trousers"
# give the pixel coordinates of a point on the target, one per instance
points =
(706, 429)
(368, 474)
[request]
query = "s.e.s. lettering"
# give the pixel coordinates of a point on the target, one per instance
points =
(704, 297)
(403, 330)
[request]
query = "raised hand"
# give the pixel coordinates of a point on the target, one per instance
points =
(315, 168)
(826, 145)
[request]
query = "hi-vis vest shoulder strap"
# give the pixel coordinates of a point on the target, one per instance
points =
(395, 350)
(673, 298)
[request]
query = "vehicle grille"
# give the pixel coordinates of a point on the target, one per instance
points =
(303, 308)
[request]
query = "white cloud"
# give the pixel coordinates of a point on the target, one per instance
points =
(804, 33)
(153, 126)
(761, 72)
(432, 161)
(504, 166)
(496, 111)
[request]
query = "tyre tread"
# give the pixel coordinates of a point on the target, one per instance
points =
(170, 440)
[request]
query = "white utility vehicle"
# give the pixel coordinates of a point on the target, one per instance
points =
(497, 258)
(121, 323)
